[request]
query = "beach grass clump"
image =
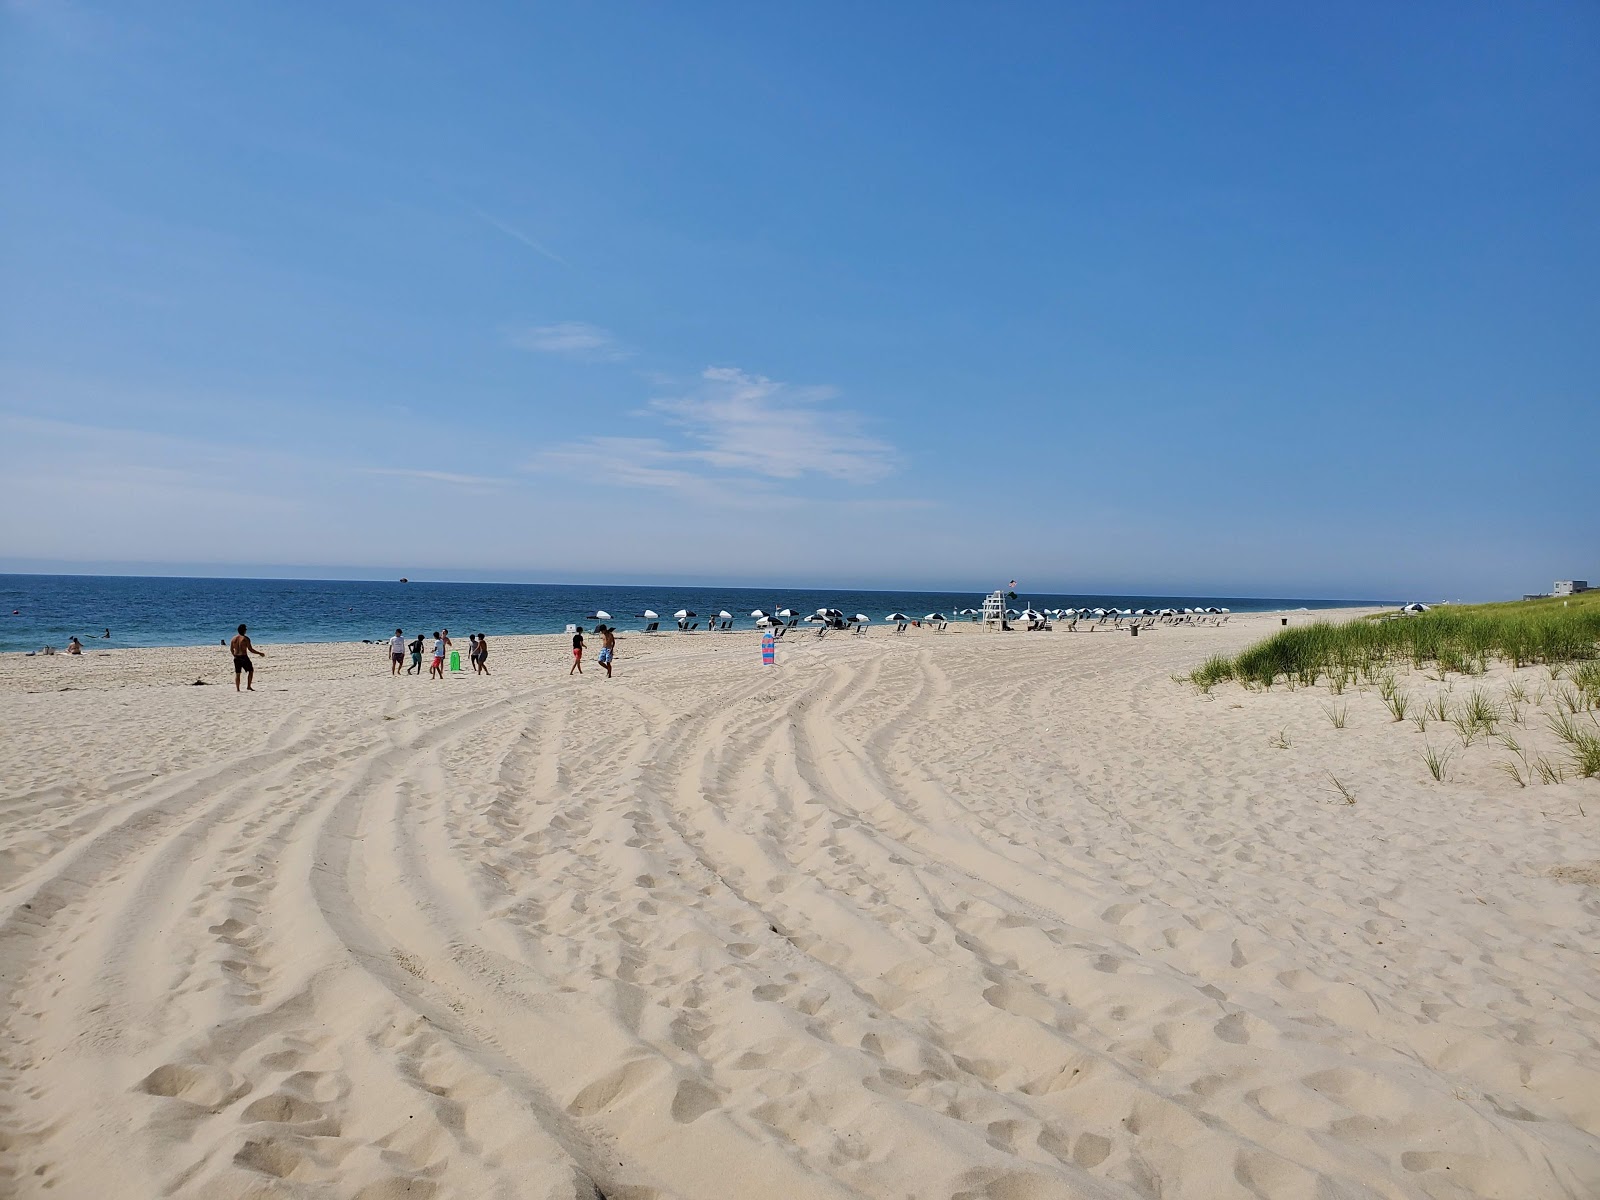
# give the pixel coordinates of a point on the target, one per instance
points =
(1213, 671)
(1547, 771)
(1345, 794)
(1399, 704)
(1586, 678)
(1463, 639)
(1483, 712)
(1336, 714)
(1514, 771)
(1437, 761)
(1582, 740)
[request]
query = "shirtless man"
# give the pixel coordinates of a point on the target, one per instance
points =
(241, 649)
(608, 646)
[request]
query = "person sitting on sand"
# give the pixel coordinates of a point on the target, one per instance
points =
(74, 646)
(241, 649)
(608, 647)
(577, 652)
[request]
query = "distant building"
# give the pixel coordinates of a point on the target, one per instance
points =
(1571, 587)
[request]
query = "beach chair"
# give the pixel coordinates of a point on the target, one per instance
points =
(653, 627)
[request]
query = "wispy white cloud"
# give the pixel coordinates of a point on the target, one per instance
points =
(737, 435)
(575, 339)
(511, 231)
(758, 426)
(446, 477)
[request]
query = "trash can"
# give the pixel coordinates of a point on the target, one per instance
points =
(1134, 630)
(1283, 620)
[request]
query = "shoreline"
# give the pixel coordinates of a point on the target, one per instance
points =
(877, 628)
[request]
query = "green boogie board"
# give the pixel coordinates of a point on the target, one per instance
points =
(455, 660)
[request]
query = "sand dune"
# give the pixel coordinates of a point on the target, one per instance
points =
(965, 915)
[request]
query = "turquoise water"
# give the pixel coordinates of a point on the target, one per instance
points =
(157, 611)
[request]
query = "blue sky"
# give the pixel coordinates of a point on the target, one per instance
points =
(1215, 298)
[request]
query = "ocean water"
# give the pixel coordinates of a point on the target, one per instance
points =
(37, 610)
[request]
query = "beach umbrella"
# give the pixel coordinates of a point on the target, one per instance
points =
(683, 614)
(788, 614)
(861, 619)
(724, 615)
(817, 619)
(897, 616)
(758, 614)
(933, 616)
(598, 615)
(648, 615)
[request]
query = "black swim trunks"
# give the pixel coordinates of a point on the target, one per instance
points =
(241, 662)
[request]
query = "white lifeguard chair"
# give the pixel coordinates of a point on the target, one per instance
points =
(994, 609)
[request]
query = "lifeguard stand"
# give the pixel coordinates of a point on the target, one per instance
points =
(994, 608)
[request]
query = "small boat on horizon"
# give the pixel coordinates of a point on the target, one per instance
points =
(403, 579)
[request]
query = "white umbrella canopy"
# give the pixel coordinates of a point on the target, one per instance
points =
(649, 614)
(598, 614)
(897, 616)
(724, 615)
(758, 614)
(933, 616)
(862, 618)
(684, 614)
(787, 613)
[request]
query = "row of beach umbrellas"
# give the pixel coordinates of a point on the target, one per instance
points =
(827, 617)
(836, 619)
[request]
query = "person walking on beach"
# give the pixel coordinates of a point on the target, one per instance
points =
(608, 648)
(397, 652)
(483, 654)
(416, 656)
(241, 649)
(577, 652)
(440, 643)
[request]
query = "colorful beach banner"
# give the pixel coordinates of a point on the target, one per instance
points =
(769, 649)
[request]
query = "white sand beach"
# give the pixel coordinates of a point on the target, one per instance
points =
(934, 916)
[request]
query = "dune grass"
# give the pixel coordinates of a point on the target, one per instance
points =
(1562, 637)
(1459, 638)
